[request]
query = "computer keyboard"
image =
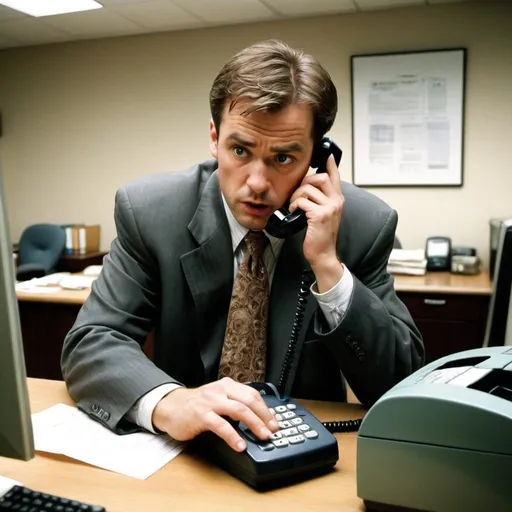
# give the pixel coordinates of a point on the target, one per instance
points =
(21, 499)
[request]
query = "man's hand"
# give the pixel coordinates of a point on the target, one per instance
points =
(185, 413)
(321, 197)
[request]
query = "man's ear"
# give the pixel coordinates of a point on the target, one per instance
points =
(213, 139)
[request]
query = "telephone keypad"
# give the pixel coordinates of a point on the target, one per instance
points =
(292, 431)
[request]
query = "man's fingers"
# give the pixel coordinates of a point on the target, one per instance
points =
(252, 399)
(334, 174)
(311, 192)
(224, 430)
(239, 411)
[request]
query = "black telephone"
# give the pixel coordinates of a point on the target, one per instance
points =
(282, 223)
(302, 448)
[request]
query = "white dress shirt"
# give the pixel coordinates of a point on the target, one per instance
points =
(333, 303)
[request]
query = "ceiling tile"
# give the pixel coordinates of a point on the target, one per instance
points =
(157, 14)
(31, 31)
(108, 3)
(227, 11)
(6, 13)
(386, 4)
(98, 23)
(303, 7)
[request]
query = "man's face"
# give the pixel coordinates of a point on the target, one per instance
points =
(262, 158)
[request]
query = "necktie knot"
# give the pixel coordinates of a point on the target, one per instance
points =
(256, 242)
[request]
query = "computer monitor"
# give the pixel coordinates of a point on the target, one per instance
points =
(499, 319)
(16, 437)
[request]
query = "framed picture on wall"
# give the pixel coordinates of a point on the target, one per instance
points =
(408, 118)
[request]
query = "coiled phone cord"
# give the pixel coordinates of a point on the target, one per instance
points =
(306, 280)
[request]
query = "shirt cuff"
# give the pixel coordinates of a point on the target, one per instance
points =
(334, 302)
(141, 412)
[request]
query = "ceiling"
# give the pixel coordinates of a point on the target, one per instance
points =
(127, 17)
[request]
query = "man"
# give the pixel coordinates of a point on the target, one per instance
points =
(182, 265)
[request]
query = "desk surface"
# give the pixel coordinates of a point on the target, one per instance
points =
(186, 483)
(432, 282)
(445, 282)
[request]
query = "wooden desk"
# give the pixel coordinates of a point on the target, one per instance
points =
(450, 311)
(77, 262)
(187, 483)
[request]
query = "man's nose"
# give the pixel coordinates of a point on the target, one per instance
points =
(257, 180)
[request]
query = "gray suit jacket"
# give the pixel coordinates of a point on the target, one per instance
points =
(171, 269)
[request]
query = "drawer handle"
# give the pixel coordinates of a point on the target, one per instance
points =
(435, 302)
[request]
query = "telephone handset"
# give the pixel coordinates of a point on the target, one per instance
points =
(282, 223)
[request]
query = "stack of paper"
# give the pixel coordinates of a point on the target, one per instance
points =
(402, 261)
(55, 282)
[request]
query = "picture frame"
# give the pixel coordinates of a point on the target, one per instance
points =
(408, 118)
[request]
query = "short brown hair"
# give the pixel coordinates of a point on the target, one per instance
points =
(272, 75)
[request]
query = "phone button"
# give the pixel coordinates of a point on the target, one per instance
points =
(280, 443)
(297, 439)
(266, 447)
(311, 434)
(280, 408)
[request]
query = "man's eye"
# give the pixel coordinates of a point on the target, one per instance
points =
(239, 151)
(284, 159)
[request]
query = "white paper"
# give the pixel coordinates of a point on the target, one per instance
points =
(68, 431)
(408, 118)
(33, 288)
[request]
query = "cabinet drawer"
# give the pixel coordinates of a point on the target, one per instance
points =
(468, 308)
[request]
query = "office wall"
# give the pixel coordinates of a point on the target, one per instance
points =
(81, 119)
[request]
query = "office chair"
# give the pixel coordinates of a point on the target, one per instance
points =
(39, 251)
(397, 244)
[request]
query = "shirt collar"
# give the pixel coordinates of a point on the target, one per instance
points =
(238, 231)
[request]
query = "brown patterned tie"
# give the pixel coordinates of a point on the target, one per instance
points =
(245, 342)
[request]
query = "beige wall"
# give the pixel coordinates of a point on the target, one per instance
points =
(81, 119)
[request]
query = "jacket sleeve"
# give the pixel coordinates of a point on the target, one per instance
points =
(102, 362)
(377, 344)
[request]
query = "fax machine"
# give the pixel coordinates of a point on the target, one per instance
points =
(441, 440)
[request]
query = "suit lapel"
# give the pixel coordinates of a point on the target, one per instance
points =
(208, 270)
(282, 309)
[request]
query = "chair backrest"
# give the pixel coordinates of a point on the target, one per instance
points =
(42, 244)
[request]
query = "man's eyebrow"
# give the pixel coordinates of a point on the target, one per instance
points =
(287, 148)
(241, 141)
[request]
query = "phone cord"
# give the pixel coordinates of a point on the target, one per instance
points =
(305, 285)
